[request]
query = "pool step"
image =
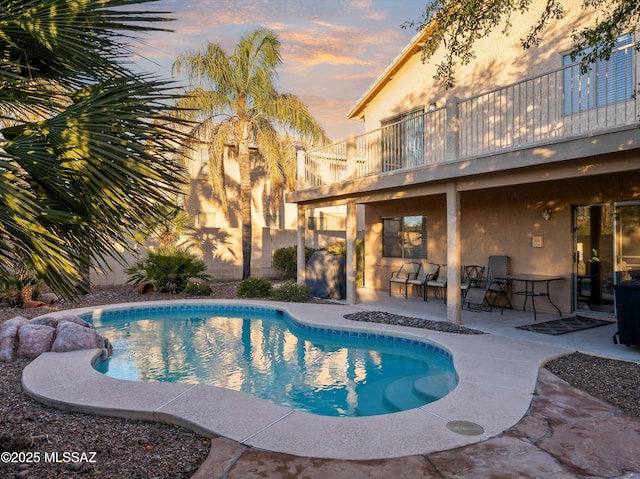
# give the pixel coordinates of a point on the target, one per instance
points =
(415, 391)
(371, 398)
(435, 386)
(401, 394)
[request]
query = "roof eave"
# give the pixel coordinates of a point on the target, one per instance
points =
(414, 46)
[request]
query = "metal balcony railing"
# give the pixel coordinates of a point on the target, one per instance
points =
(557, 105)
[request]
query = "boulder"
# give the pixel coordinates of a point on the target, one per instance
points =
(9, 337)
(46, 320)
(48, 298)
(74, 319)
(34, 339)
(73, 337)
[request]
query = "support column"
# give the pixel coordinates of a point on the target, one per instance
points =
(352, 257)
(454, 296)
(301, 263)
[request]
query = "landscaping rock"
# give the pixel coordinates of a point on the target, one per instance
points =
(21, 338)
(46, 320)
(9, 337)
(74, 319)
(48, 298)
(73, 337)
(34, 339)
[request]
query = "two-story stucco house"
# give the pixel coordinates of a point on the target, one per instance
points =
(525, 157)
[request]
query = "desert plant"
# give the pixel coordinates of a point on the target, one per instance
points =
(18, 282)
(291, 291)
(198, 288)
(88, 144)
(234, 96)
(253, 287)
(285, 259)
(170, 271)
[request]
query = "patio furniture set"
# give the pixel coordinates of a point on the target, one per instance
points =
(478, 291)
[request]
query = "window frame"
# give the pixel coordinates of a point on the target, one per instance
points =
(399, 240)
(593, 89)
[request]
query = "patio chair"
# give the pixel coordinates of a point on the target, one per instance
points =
(425, 274)
(406, 272)
(492, 289)
(439, 284)
(472, 277)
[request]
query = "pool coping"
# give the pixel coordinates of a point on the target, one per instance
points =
(497, 378)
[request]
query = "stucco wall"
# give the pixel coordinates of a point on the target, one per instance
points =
(500, 60)
(503, 221)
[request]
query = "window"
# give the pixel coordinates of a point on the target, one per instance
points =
(272, 221)
(403, 140)
(203, 167)
(607, 81)
(326, 222)
(404, 237)
(206, 219)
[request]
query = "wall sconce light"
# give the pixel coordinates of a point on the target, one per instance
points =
(433, 106)
(546, 214)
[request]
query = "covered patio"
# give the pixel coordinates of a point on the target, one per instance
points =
(596, 340)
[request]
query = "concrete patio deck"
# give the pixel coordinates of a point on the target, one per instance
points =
(498, 373)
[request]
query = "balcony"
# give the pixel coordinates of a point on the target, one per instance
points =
(558, 107)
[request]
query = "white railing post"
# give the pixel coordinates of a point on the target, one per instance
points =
(301, 169)
(352, 157)
(452, 129)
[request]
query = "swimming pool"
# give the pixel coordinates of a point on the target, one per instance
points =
(266, 353)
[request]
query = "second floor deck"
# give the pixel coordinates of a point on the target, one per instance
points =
(538, 120)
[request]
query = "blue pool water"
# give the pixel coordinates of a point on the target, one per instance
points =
(266, 353)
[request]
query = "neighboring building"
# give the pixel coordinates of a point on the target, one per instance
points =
(526, 157)
(274, 222)
(220, 235)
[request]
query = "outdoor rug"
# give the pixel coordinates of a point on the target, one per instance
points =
(564, 325)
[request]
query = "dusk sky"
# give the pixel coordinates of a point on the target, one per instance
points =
(332, 49)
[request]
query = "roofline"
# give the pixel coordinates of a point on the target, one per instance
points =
(414, 46)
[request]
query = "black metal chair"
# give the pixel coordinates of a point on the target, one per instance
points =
(492, 289)
(472, 277)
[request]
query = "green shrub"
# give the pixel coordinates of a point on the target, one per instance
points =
(341, 248)
(285, 259)
(291, 291)
(19, 283)
(198, 289)
(170, 271)
(254, 288)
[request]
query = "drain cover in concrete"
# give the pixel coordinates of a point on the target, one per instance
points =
(465, 428)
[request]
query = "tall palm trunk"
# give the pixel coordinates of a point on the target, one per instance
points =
(244, 162)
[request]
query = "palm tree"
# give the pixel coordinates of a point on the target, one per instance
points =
(86, 145)
(235, 98)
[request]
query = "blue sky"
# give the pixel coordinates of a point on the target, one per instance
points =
(332, 49)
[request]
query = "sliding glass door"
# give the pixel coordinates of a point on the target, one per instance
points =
(607, 251)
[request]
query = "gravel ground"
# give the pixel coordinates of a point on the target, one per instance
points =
(136, 449)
